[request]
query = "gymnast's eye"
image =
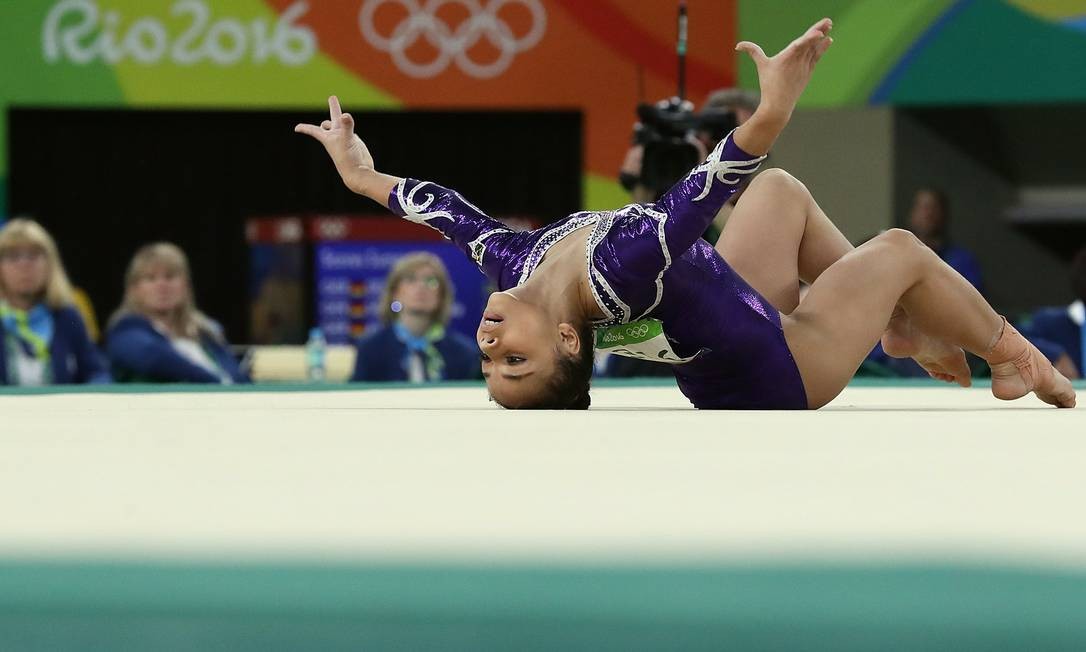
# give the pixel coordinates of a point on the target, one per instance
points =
(512, 359)
(484, 357)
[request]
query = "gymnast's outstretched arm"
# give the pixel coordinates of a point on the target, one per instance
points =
(691, 204)
(423, 202)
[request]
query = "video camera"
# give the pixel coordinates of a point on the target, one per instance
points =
(666, 130)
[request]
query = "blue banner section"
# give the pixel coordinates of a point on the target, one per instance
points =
(350, 278)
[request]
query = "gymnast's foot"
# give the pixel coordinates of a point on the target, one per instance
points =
(1018, 368)
(941, 360)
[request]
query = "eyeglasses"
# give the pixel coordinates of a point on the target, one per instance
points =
(16, 255)
(154, 276)
(431, 282)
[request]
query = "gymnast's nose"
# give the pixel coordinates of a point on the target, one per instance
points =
(488, 341)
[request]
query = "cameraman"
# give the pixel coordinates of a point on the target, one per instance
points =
(724, 110)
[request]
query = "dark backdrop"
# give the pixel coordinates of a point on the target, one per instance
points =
(105, 182)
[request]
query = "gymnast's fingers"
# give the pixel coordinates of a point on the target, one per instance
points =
(326, 125)
(333, 108)
(824, 26)
(815, 35)
(309, 130)
(754, 50)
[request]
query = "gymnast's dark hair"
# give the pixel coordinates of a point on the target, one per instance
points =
(568, 388)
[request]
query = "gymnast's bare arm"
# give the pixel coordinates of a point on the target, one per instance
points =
(350, 155)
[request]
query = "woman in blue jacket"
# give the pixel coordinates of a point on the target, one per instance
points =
(44, 340)
(413, 344)
(158, 335)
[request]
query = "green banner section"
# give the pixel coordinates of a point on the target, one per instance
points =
(930, 51)
(870, 36)
(176, 53)
(252, 57)
(773, 24)
(28, 78)
(994, 52)
(868, 41)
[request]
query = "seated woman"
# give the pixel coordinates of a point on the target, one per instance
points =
(158, 335)
(413, 345)
(639, 280)
(44, 339)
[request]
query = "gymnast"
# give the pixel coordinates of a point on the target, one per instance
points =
(639, 280)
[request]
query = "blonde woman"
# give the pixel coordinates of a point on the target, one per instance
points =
(412, 344)
(44, 339)
(158, 335)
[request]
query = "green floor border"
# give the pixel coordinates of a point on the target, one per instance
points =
(182, 388)
(179, 606)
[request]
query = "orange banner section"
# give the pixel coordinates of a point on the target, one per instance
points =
(598, 56)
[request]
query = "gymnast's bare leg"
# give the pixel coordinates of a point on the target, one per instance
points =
(778, 235)
(850, 303)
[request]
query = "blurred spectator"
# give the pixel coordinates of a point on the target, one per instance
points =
(44, 338)
(929, 219)
(1063, 328)
(158, 335)
(412, 344)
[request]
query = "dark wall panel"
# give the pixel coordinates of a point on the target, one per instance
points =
(106, 182)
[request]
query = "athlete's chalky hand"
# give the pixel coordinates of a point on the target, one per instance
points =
(783, 77)
(350, 155)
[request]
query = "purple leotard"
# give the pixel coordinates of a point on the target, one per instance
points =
(649, 261)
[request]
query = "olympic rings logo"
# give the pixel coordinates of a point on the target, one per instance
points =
(638, 331)
(453, 45)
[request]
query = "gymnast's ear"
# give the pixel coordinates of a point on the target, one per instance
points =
(569, 342)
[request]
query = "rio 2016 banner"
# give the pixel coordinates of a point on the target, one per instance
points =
(596, 56)
(78, 31)
(599, 57)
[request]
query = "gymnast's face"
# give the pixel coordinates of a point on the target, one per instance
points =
(519, 344)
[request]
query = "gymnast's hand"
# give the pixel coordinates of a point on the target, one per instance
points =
(782, 79)
(353, 160)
